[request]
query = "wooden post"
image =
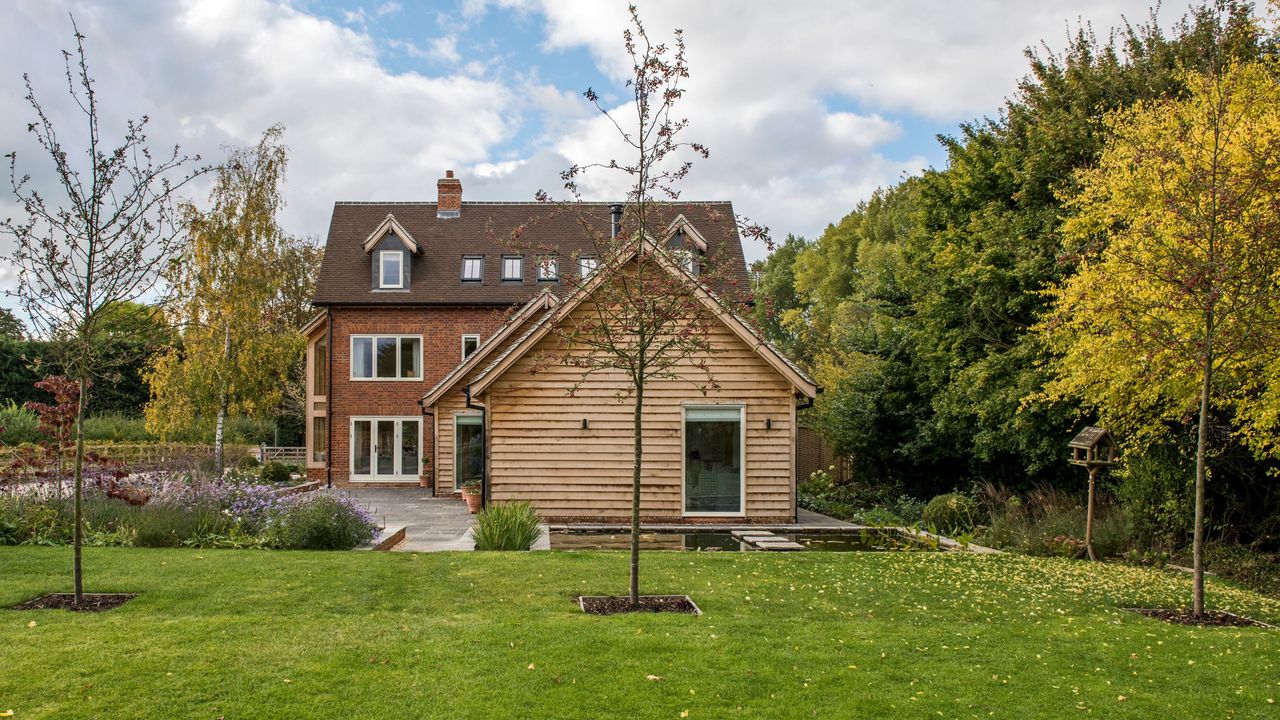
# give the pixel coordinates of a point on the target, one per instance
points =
(1088, 518)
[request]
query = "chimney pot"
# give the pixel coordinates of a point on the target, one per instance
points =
(448, 196)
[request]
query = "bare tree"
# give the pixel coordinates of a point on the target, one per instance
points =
(96, 248)
(654, 300)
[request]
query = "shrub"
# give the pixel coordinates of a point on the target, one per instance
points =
(247, 462)
(20, 425)
(951, 513)
(115, 427)
(1157, 488)
(321, 521)
(507, 526)
(275, 473)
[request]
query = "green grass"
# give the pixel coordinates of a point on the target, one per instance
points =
(255, 634)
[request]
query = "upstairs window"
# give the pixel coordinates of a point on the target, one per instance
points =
(548, 268)
(472, 268)
(587, 266)
(512, 267)
(386, 357)
(470, 343)
(391, 269)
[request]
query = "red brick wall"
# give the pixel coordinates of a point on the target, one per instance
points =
(441, 330)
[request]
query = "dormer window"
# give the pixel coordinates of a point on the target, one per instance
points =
(472, 268)
(391, 269)
(512, 267)
(548, 269)
(587, 266)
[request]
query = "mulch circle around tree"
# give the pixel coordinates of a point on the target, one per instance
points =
(93, 602)
(1209, 618)
(613, 604)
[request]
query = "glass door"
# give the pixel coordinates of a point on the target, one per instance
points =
(468, 450)
(713, 460)
(386, 449)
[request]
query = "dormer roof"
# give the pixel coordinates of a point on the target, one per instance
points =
(389, 225)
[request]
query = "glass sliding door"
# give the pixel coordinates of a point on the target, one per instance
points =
(468, 450)
(713, 460)
(386, 449)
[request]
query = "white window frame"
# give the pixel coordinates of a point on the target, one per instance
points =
(741, 407)
(583, 263)
(479, 260)
(382, 269)
(519, 261)
(465, 338)
(545, 262)
(373, 476)
(351, 358)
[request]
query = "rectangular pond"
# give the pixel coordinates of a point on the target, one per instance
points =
(860, 540)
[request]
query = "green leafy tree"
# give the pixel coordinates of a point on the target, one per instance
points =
(1174, 309)
(235, 295)
(11, 328)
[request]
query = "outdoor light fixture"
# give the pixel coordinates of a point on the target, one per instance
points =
(584, 423)
(768, 423)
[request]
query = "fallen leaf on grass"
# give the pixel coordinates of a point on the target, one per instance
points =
(30, 624)
(531, 666)
(6, 713)
(653, 677)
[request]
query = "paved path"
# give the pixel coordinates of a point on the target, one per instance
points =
(430, 523)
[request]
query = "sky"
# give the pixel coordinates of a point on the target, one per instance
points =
(807, 106)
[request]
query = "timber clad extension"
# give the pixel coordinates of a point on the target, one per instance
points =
(419, 372)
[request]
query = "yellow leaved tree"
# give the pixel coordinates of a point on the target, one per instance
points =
(1175, 311)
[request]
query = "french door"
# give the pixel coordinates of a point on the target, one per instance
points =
(386, 449)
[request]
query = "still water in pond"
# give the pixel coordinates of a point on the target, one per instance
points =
(857, 541)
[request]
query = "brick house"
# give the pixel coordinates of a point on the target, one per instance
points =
(418, 370)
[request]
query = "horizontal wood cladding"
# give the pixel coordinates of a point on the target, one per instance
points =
(540, 452)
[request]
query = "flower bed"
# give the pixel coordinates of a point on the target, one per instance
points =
(165, 509)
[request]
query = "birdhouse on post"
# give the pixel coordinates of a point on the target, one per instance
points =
(1093, 446)
(1094, 449)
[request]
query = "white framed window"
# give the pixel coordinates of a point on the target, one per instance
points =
(386, 357)
(688, 260)
(587, 266)
(714, 460)
(548, 268)
(512, 267)
(470, 343)
(472, 268)
(468, 449)
(385, 449)
(391, 269)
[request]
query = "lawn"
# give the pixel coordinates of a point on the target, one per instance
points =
(257, 634)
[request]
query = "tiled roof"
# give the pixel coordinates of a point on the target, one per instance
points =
(485, 228)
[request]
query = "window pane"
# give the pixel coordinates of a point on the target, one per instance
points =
(713, 461)
(468, 449)
(472, 268)
(360, 441)
(548, 268)
(469, 345)
(318, 438)
(384, 447)
(586, 266)
(386, 357)
(512, 268)
(409, 447)
(410, 357)
(362, 357)
(319, 367)
(391, 272)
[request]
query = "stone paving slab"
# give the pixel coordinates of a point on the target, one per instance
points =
(430, 523)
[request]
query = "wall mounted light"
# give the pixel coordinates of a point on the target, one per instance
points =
(584, 423)
(768, 424)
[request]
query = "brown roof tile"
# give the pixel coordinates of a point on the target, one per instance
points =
(484, 229)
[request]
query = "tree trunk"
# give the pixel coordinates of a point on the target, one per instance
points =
(1088, 517)
(638, 439)
(219, 459)
(1202, 434)
(78, 534)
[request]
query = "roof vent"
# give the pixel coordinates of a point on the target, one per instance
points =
(448, 196)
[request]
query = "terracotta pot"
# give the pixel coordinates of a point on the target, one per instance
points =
(473, 501)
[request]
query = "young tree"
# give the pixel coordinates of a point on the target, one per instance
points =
(1174, 307)
(101, 244)
(234, 289)
(57, 421)
(646, 318)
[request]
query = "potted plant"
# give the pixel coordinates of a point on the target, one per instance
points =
(471, 493)
(424, 479)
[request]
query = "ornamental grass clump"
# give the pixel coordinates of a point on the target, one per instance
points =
(507, 526)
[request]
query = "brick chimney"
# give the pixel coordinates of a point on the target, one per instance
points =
(448, 196)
